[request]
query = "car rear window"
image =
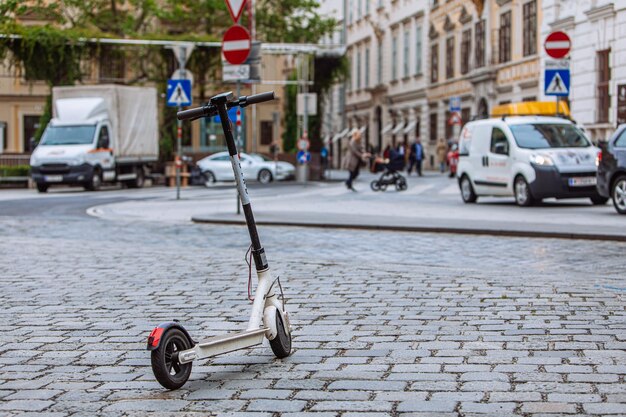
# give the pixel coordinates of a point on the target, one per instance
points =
(621, 141)
(548, 135)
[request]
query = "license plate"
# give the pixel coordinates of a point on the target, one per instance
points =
(582, 181)
(53, 178)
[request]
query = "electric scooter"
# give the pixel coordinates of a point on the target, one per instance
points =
(172, 348)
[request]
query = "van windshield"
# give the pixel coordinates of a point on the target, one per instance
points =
(547, 135)
(68, 135)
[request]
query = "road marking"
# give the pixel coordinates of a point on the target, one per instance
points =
(451, 189)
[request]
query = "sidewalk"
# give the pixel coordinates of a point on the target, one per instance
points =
(431, 204)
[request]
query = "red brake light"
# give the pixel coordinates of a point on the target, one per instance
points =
(599, 158)
(155, 337)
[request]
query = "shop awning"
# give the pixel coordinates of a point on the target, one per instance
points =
(410, 126)
(362, 129)
(398, 129)
(387, 129)
(340, 135)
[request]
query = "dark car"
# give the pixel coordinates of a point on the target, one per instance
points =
(612, 169)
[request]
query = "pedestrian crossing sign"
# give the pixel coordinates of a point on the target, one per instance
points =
(556, 82)
(178, 93)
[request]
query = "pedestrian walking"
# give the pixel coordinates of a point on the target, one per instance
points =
(442, 152)
(415, 157)
(355, 156)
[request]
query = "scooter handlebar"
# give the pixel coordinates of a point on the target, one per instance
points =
(210, 109)
(194, 113)
(260, 98)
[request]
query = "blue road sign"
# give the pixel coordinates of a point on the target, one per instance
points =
(303, 157)
(556, 82)
(232, 115)
(178, 93)
(455, 104)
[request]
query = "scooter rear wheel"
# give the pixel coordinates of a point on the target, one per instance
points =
(167, 371)
(281, 344)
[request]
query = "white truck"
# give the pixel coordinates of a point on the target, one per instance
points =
(100, 133)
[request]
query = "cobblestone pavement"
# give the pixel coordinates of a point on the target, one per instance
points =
(385, 324)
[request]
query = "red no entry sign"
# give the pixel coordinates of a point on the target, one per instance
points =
(236, 45)
(558, 45)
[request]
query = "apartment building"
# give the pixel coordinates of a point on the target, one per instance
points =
(598, 94)
(386, 94)
(410, 57)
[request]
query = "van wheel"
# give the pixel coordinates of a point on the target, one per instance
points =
(523, 196)
(96, 181)
(42, 188)
(467, 191)
(139, 181)
(619, 194)
(265, 176)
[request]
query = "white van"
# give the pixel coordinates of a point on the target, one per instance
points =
(528, 157)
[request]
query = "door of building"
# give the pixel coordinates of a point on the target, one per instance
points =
(30, 125)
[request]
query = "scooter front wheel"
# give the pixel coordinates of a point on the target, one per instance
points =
(167, 370)
(281, 344)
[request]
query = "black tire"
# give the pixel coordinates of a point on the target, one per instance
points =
(467, 191)
(281, 344)
(375, 185)
(42, 188)
(95, 182)
(139, 181)
(169, 373)
(265, 176)
(598, 200)
(209, 178)
(523, 195)
(383, 187)
(618, 193)
(401, 185)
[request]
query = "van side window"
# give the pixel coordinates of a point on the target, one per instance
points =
(621, 141)
(103, 139)
(499, 142)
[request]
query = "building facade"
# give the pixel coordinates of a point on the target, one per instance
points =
(410, 57)
(598, 51)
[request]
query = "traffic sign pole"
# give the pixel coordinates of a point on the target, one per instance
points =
(179, 126)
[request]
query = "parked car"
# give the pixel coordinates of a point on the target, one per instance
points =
(528, 157)
(611, 163)
(217, 167)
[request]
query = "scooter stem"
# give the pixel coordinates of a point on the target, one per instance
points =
(258, 253)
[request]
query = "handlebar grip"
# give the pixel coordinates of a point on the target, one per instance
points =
(260, 98)
(194, 113)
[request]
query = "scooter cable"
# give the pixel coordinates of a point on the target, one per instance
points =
(249, 262)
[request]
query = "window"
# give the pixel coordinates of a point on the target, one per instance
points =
(394, 57)
(465, 115)
(367, 7)
(466, 46)
(267, 132)
(621, 141)
(359, 9)
(450, 58)
(548, 135)
(449, 129)
(405, 54)
(358, 70)
(604, 79)
(505, 37)
(530, 28)
(111, 64)
(103, 139)
(499, 143)
(479, 52)
(367, 67)
(350, 7)
(434, 63)
(379, 63)
(418, 50)
(433, 127)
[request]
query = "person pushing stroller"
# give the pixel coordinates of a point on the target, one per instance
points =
(391, 174)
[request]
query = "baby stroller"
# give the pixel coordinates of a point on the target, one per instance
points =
(390, 175)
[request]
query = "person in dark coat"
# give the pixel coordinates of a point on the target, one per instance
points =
(416, 157)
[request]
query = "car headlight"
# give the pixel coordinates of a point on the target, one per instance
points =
(540, 159)
(78, 160)
(34, 161)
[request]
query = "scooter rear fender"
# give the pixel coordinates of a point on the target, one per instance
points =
(154, 340)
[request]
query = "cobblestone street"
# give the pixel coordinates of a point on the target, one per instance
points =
(385, 323)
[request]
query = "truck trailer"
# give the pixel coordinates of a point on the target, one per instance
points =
(98, 134)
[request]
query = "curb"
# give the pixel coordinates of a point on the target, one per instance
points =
(424, 229)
